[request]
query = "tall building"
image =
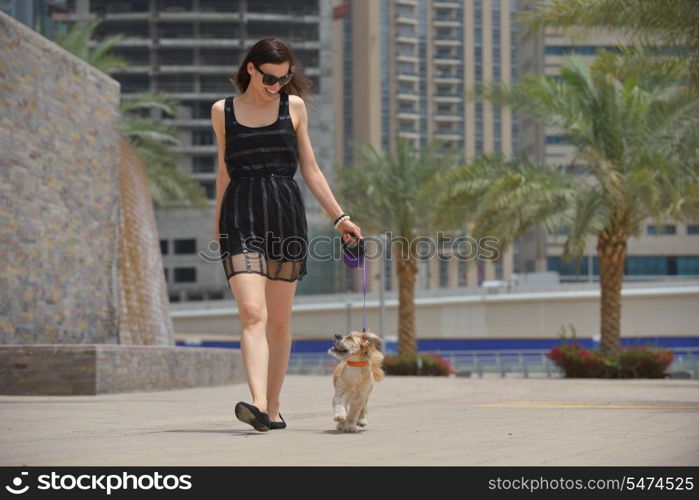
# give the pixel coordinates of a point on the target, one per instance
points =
(672, 250)
(37, 14)
(381, 68)
(188, 49)
(404, 68)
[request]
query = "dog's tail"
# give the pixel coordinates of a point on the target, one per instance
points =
(375, 362)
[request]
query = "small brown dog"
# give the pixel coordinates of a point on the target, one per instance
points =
(354, 377)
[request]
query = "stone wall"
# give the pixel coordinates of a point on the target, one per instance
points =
(84, 302)
(59, 194)
(81, 254)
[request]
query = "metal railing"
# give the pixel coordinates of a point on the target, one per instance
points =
(522, 363)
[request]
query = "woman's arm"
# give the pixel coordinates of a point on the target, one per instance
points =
(313, 176)
(222, 178)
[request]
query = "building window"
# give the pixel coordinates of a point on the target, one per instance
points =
(479, 127)
(463, 272)
(498, 269)
(166, 274)
(120, 6)
(443, 273)
(133, 83)
(406, 88)
(201, 109)
(175, 30)
(163, 247)
(388, 270)
(203, 164)
(642, 265)
(175, 83)
(688, 265)
(583, 50)
(185, 274)
(188, 246)
(668, 229)
(175, 57)
(557, 139)
(209, 188)
(693, 229)
(405, 11)
(568, 268)
(561, 231)
(316, 84)
(202, 137)
(175, 5)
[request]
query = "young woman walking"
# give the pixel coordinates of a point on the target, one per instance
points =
(260, 218)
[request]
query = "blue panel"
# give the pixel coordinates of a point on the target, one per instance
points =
(447, 344)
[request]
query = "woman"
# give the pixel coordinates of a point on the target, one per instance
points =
(260, 220)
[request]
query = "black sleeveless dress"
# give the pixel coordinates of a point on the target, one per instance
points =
(263, 228)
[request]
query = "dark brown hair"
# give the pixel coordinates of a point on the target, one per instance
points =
(274, 50)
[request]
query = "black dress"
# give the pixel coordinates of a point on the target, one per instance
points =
(263, 228)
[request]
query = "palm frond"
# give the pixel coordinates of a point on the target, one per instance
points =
(137, 101)
(75, 39)
(673, 22)
(588, 215)
(502, 197)
(394, 191)
(670, 25)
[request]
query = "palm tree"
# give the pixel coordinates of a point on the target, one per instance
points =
(151, 138)
(392, 193)
(671, 23)
(636, 135)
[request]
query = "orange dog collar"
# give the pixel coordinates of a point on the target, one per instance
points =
(357, 363)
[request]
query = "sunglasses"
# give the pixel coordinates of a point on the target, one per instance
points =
(268, 79)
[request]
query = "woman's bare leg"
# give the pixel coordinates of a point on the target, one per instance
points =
(249, 292)
(280, 297)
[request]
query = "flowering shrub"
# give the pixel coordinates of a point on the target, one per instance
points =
(641, 362)
(407, 364)
(633, 362)
(577, 362)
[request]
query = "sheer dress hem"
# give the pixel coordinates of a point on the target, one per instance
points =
(259, 263)
(250, 271)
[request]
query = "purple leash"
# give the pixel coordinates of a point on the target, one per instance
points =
(364, 287)
(353, 255)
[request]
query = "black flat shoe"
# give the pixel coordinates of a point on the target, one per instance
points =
(278, 425)
(251, 414)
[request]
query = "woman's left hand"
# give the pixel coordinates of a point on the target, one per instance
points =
(347, 228)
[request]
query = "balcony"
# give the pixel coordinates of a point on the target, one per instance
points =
(444, 17)
(446, 23)
(448, 93)
(449, 71)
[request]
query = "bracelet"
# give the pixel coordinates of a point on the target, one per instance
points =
(341, 220)
(340, 217)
